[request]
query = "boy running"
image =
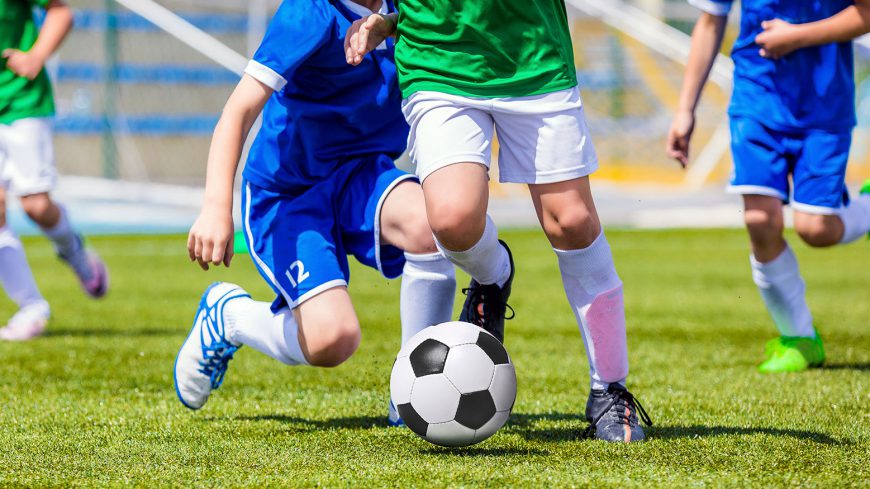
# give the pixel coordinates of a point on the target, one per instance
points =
(319, 184)
(468, 70)
(792, 114)
(27, 168)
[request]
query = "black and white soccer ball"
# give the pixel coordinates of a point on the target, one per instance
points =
(454, 384)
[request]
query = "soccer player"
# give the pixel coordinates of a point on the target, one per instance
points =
(27, 168)
(468, 70)
(792, 113)
(319, 184)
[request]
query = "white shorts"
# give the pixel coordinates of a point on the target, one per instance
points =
(542, 138)
(27, 157)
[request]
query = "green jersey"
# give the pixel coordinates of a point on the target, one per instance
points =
(484, 48)
(21, 98)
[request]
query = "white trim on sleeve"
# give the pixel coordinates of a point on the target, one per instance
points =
(714, 8)
(265, 75)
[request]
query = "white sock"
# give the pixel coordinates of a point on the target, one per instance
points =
(487, 261)
(428, 290)
(253, 323)
(68, 245)
(15, 275)
(784, 292)
(856, 218)
(594, 291)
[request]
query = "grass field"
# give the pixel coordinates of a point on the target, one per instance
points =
(93, 404)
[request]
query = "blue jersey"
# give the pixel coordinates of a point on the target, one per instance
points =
(324, 112)
(811, 88)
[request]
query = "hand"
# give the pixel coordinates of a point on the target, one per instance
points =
(679, 137)
(24, 64)
(211, 238)
(778, 39)
(364, 35)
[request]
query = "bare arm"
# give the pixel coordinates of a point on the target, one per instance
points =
(364, 35)
(211, 237)
(706, 42)
(58, 22)
(781, 38)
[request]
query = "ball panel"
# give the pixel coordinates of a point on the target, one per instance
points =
(450, 434)
(504, 387)
(412, 419)
(401, 381)
(493, 348)
(429, 358)
(494, 424)
(435, 398)
(469, 368)
(475, 409)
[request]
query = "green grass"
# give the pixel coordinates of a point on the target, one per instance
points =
(93, 404)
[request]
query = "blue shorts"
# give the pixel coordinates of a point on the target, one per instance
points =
(300, 243)
(816, 161)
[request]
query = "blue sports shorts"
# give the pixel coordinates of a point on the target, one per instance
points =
(816, 160)
(300, 243)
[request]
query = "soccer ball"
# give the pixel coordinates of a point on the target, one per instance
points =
(453, 384)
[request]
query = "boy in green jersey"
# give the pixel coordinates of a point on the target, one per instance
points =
(468, 70)
(27, 167)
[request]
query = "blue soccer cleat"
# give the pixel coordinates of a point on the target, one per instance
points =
(202, 360)
(393, 418)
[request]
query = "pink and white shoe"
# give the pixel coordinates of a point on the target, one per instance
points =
(98, 284)
(28, 323)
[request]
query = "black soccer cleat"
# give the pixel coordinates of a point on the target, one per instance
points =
(613, 415)
(486, 305)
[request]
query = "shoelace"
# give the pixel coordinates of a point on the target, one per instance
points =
(624, 399)
(486, 295)
(218, 357)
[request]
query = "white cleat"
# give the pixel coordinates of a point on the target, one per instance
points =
(202, 360)
(28, 323)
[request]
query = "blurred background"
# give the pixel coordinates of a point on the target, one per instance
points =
(140, 85)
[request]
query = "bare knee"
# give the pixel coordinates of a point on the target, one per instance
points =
(457, 226)
(818, 231)
(333, 344)
(40, 209)
(570, 227)
(765, 228)
(419, 239)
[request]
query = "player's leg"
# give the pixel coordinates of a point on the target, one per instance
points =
(451, 144)
(761, 175)
(824, 215)
(31, 161)
(293, 244)
(17, 280)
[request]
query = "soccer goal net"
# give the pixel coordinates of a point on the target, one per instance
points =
(140, 84)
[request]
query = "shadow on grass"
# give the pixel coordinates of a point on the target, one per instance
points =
(482, 451)
(350, 422)
(861, 367)
(570, 426)
(105, 333)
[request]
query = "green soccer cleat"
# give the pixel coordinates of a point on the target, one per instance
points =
(792, 354)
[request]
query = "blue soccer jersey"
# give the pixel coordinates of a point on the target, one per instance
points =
(324, 112)
(811, 88)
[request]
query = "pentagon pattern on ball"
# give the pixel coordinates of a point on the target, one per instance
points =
(475, 409)
(435, 399)
(451, 334)
(493, 348)
(429, 358)
(504, 387)
(402, 380)
(450, 434)
(491, 426)
(412, 419)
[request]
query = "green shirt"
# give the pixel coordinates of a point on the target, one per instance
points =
(484, 48)
(21, 98)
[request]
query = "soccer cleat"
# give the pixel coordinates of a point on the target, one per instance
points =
(792, 354)
(393, 418)
(613, 415)
(28, 323)
(90, 270)
(204, 356)
(486, 305)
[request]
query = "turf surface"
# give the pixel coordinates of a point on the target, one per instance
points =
(93, 404)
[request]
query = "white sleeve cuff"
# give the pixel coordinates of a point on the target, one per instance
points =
(713, 8)
(265, 75)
